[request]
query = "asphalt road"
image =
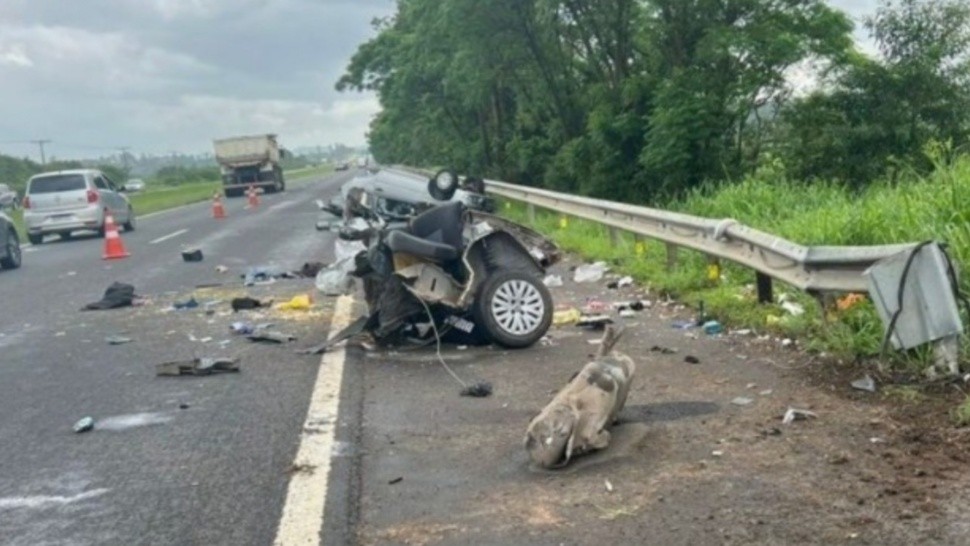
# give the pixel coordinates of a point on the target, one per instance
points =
(213, 472)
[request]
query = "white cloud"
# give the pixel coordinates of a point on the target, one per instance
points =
(14, 55)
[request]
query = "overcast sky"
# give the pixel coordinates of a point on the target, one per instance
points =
(170, 75)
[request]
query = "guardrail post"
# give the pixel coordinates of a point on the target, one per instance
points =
(530, 210)
(614, 237)
(671, 256)
(765, 292)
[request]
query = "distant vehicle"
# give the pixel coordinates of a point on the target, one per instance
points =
(362, 162)
(342, 166)
(8, 197)
(9, 244)
(63, 202)
(250, 161)
(135, 184)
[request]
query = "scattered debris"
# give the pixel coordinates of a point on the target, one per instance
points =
(264, 274)
(713, 328)
(462, 347)
(793, 415)
(628, 313)
(625, 281)
(742, 401)
(766, 392)
(242, 328)
(839, 459)
(744, 332)
(242, 304)
(270, 337)
(566, 316)
(794, 309)
(311, 269)
(692, 359)
(867, 383)
(683, 324)
(576, 419)
(849, 301)
(117, 295)
(297, 303)
(84, 425)
(787, 342)
(222, 269)
(481, 389)
(717, 453)
(192, 255)
(117, 340)
(396, 480)
(187, 304)
(184, 406)
(877, 440)
(198, 366)
(612, 285)
(773, 431)
(594, 322)
(553, 281)
(590, 272)
(662, 350)
(594, 307)
(608, 485)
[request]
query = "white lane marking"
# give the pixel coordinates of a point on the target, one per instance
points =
(306, 497)
(283, 205)
(42, 501)
(172, 235)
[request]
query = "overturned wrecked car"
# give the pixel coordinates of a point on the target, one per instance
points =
(447, 273)
(395, 195)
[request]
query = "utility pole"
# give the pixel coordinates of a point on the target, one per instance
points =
(40, 143)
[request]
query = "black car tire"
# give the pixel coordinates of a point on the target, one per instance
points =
(532, 305)
(12, 258)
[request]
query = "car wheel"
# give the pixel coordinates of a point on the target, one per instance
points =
(35, 238)
(13, 255)
(514, 309)
(66, 236)
(130, 224)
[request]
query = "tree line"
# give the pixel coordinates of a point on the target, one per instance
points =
(645, 99)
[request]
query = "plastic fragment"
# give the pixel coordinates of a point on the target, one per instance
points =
(84, 425)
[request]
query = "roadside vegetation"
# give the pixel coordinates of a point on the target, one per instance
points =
(913, 208)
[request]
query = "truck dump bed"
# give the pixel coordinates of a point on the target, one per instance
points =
(247, 150)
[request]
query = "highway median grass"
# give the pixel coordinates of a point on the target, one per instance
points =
(914, 208)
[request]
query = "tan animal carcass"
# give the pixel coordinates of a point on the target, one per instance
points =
(577, 418)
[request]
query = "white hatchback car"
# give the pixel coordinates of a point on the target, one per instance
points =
(63, 202)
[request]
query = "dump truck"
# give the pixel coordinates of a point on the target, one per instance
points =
(246, 161)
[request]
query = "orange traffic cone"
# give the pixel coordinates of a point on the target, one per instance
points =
(113, 247)
(218, 212)
(253, 195)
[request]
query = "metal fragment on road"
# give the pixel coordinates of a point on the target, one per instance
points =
(742, 401)
(84, 425)
(867, 384)
(793, 415)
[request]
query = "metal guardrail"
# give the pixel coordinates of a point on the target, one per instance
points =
(814, 269)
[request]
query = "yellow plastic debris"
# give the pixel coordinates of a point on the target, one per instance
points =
(714, 271)
(298, 303)
(567, 316)
(563, 222)
(641, 248)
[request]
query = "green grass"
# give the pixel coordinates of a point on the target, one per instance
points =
(914, 209)
(308, 174)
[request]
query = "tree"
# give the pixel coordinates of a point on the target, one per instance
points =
(886, 110)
